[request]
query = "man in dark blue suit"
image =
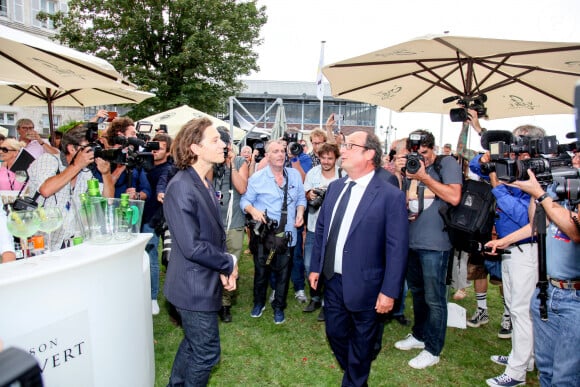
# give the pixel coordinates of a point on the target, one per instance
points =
(360, 247)
(200, 263)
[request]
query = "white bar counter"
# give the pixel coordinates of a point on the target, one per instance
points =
(84, 313)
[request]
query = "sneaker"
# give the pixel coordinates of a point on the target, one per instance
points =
(410, 342)
(505, 331)
(423, 360)
(321, 315)
(272, 296)
(479, 318)
(257, 311)
(505, 381)
(279, 316)
(312, 306)
(154, 308)
(503, 360)
(301, 296)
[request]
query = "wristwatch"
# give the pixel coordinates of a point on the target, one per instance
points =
(542, 198)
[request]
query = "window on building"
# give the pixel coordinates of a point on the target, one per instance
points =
(57, 120)
(48, 6)
(7, 118)
(3, 8)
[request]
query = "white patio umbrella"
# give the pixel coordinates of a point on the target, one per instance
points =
(37, 71)
(32, 60)
(176, 118)
(519, 78)
(280, 124)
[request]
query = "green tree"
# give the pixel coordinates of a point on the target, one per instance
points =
(185, 51)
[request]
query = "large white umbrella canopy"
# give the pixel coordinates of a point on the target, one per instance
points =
(30, 95)
(37, 71)
(177, 117)
(519, 78)
(32, 60)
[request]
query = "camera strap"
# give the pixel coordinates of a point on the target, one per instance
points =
(284, 211)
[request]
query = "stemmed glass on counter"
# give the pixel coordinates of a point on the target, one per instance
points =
(50, 220)
(23, 224)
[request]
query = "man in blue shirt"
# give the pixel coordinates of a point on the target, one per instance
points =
(265, 195)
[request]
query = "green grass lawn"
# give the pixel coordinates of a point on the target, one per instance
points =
(256, 352)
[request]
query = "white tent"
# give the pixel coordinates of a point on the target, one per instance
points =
(176, 118)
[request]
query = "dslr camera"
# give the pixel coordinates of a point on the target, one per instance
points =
(460, 114)
(260, 229)
(317, 201)
(414, 158)
(293, 145)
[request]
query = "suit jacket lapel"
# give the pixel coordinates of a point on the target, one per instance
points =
(207, 200)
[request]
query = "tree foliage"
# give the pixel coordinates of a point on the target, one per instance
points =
(185, 51)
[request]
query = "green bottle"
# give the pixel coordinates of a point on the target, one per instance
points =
(124, 218)
(93, 188)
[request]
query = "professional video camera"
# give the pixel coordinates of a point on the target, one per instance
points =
(317, 201)
(475, 103)
(414, 158)
(114, 155)
(260, 229)
(548, 159)
(293, 145)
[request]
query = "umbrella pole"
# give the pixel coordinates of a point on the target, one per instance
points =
(50, 116)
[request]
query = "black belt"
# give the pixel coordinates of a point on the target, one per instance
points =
(565, 284)
(523, 243)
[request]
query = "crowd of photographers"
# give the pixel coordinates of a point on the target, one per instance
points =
(532, 178)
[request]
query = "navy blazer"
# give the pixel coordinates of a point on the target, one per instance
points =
(198, 253)
(375, 251)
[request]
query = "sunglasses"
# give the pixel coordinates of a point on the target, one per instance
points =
(6, 150)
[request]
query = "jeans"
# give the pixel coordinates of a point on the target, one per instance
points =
(556, 341)
(401, 309)
(199, 350)
(426, 275)
(298, 262)
(279, 268)
(151, 249)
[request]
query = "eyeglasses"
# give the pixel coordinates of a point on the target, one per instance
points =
(348, 146)
(6, 150)
(317, 143)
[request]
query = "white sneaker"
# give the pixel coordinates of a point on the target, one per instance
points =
(423, 360)
(301, 296)
(154, 307)
(409, 342)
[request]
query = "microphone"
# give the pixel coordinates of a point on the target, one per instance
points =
(495, 136)
(451, 99)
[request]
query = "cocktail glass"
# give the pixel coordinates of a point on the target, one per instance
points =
(23, 224)
(51, 219)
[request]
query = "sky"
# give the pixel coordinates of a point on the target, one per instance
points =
(295, 28)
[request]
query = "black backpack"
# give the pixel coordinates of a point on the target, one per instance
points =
(470, 223)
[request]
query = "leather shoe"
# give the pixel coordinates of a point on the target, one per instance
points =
(321, 315)
(401, 319)
(225, 314)
(312, 306)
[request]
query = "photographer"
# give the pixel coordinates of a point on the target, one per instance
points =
(153, 218)
(61, 178)
(127, 179)
(230, 181)
(315, 185)
(556, 339)
(519, 268)
(277, 192)
(429, 248)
